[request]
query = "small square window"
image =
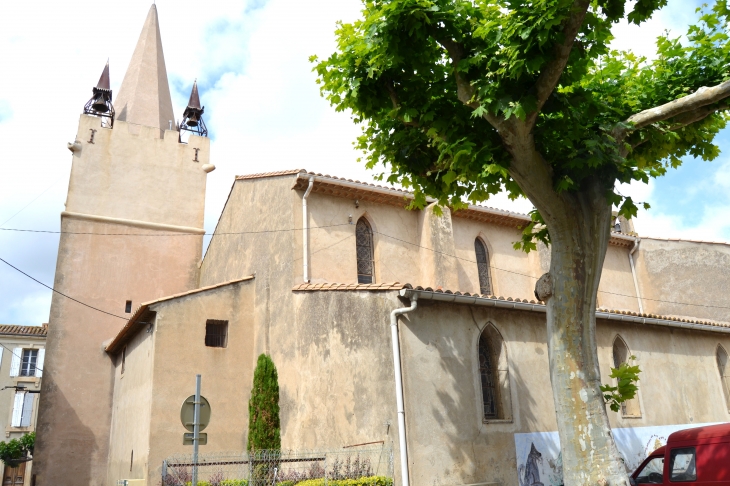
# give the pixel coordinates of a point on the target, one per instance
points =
(128, 307)
(216, 333)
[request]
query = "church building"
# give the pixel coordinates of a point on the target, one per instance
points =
(415, 330)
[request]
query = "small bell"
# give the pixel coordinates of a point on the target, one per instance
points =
(100, 104)
(192, 120)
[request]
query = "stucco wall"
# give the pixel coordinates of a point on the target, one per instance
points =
(448, 441)
(129, 443)
(227, 373)
(672, 272)
(132, 176)
(132, 160)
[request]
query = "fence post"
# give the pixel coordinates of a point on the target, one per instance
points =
(325, 469)
(164, 471)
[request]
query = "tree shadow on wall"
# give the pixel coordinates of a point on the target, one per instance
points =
(480, 451)
(68, 458)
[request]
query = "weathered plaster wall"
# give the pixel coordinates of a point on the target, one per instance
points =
(617, 290)
(335, 367)
(227, 373)
(513, 273)
(129, 442)
(132, 176)
(132, 160)
(672, 272)
(448, 441)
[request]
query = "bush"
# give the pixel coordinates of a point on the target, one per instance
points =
(368, 481)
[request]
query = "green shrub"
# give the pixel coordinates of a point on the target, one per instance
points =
(263, 407)
(368, 481)
(225, 482)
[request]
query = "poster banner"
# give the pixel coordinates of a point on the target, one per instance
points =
(539, 462)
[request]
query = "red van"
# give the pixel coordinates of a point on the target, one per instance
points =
(699, 456)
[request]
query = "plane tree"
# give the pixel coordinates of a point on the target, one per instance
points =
(462, 99)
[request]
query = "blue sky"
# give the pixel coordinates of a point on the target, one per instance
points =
(263, 110)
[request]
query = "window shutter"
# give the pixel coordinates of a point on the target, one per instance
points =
(1, 356)
(39, 362)
(17, 409)
(15, 363)
(27, 410)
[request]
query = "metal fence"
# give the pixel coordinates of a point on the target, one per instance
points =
(371, 466)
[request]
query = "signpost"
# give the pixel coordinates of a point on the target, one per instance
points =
(197, 408)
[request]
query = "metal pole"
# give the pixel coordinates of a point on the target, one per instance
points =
(196, 430)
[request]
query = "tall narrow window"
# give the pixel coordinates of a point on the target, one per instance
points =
(28, 362)
(723, 366)
(485, 282)
(621, 355)
(494, 375)
(364, 239)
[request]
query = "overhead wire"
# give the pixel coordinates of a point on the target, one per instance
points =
(492, 267)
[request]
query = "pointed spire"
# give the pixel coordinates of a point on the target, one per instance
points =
(194, 101)
(104, 79)
(144, 97)
(193, 115)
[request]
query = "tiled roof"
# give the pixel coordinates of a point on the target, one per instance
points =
(130, 329)
(262, 175)
(499, 301)
(339, 286)
(353, 189)
(13, 330)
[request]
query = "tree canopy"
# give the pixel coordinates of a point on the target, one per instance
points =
(437, 83)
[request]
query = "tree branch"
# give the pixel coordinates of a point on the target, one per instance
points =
(396, 102)
(550, 75)
(686, 105)
(464, 90)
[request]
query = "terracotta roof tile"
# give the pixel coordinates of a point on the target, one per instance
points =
(313, 287)
(262, 175)
(399, 286)
(15, 330)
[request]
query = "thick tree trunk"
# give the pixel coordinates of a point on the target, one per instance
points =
(579, 233)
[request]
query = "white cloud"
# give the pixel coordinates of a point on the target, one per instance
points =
(262, 104)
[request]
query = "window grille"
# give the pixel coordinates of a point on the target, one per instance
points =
(28, 362)
(488, 377)
(723, 366)
(216, 333)
(485, 282)
(364, 242)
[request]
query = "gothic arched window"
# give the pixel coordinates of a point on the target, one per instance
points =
(485, 282)
(364, 243)
(723, 366)
(493, 375)
(621, 355)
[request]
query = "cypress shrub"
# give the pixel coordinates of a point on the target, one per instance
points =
(263, 407)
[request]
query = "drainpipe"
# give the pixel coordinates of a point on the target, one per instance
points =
(633, 273)
(305, 230)
(399, 386)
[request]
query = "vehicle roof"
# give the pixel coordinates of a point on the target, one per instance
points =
(706, 432)
(659, 452)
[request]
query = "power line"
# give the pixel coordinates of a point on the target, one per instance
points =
(19, 357)
(26, 206)
(61, 293)
(182, 233)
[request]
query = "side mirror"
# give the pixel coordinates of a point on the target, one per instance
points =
(632, 481)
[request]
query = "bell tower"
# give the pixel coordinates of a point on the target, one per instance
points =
(132, 231)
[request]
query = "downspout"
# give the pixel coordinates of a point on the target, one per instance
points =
(399, 386)
(633, 273)
(305, 231)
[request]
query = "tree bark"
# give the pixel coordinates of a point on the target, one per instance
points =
(579, 238)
